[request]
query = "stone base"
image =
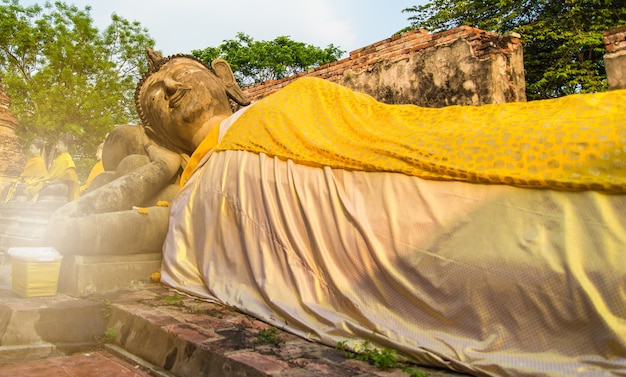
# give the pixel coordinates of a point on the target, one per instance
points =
(83, 275)
(40, 327)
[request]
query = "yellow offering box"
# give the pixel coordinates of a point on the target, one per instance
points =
(35, 270)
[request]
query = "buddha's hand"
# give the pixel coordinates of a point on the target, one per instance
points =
(171, 159)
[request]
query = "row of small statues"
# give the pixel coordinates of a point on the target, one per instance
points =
(60, 178)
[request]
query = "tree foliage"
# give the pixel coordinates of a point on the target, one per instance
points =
(563, 45)
(64, 75)
(257, 61)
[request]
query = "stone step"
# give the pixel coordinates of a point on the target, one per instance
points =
(23, 224)
(8, 241)
(39, 327)
(169, 334)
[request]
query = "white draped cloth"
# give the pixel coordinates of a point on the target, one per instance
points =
(487, 279)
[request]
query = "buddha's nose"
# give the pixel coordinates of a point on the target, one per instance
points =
(171, 86)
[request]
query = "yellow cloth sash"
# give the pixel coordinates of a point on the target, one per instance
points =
(576, 142)
(97, 169)
(35, 167)
(209, 142)
(62, 169)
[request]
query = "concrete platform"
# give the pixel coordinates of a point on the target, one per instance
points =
(84, 275)
(40, 327)
(150, 330)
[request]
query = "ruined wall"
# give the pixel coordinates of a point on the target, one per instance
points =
(462, 66)
(615, 57)
(12, 157)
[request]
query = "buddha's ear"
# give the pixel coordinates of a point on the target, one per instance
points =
(225, 73)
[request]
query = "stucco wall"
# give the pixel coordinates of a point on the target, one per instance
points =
(462, 66)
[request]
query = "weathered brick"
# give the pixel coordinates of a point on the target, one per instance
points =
(264, 363)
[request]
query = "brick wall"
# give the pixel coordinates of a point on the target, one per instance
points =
(11, 155)
(615, 39)
(615, 57)
(482, 67)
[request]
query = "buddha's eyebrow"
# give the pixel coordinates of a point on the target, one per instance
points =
(152, 90)
(182, 70)
(177, 72)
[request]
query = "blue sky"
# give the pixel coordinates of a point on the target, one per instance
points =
(184, 25)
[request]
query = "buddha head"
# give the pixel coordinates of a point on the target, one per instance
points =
(99, 151)
(36, 146)
(64, 142)
(180, 99)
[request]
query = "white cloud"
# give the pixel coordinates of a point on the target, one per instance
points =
(183, 25)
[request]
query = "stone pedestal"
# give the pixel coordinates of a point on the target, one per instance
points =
(42, 327)
(83, 275)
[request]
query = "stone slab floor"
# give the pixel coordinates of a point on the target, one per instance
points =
(150, 330)
(93, 364)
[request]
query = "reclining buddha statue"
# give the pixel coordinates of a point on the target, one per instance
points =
(485, 239)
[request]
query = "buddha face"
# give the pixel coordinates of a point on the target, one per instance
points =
(34, 149)
(183, 101)
(61, 147)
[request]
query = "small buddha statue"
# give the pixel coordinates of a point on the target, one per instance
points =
(61, 178)
(96, 170)
(34, 169)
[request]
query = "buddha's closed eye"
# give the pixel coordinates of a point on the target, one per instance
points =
(175, 91)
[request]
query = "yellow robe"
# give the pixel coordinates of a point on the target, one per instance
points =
(62, 169)
(576, 142)
(96, 170)
(34, 168)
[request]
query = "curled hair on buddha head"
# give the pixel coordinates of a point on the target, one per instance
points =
(155, 62)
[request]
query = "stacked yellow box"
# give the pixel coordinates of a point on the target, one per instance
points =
(35, 270)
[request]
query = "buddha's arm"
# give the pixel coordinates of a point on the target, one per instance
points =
(123, 193)
(104, 222)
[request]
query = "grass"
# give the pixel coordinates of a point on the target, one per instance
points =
(175, 300)
(269, 336)
(195, 309)
(110, 334)
(106, 311)
(382, 358)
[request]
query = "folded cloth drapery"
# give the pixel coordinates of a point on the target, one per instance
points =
(576, 142)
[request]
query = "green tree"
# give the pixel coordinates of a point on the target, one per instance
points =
(257, 61)
(563, 46)
(64, 75)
